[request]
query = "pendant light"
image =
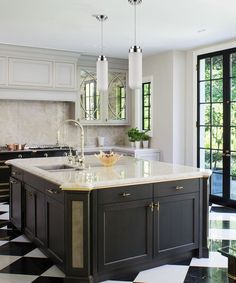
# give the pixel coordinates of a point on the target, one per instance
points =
(135, 56)
(102, 63)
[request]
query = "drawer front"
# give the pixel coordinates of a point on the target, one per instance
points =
(14, 154)
(17, 173)
(176, 187)
(53, 191)
(34, 181)
(128, 193)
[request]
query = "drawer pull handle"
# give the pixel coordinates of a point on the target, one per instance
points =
(13, 182)
(125, 194)
(179, 188)
(19, 155)
(51, 191)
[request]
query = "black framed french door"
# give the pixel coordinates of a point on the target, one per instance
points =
(216, 124)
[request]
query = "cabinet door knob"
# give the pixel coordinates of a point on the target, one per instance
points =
(13, 182)
(45, 154)
(19, 155)
(179, 188)
(125, 194)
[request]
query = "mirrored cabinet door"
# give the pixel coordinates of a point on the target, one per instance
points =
(117, 97)
(90, 102)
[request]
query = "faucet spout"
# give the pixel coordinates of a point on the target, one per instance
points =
(78, 159)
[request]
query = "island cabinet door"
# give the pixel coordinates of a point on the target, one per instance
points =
(55, 228)
(40, 224)
(176, 224)
(124, 234)
(16, 203)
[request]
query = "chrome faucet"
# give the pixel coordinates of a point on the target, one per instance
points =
(77, 159)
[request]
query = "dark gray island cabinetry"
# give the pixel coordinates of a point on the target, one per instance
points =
(95, 231)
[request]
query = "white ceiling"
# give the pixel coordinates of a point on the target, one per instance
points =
(161, 24)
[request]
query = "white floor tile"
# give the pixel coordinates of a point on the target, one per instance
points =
(4, 216)
(163, 274)
(4, 207)
(215, 260)
(22, 239)
(53, 272)
(4, 228)
(36, 253)
(3, 242)
(16, 278)
(222, 216)
(222, 234)
(5, 260)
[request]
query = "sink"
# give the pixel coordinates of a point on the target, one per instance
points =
(57, 167)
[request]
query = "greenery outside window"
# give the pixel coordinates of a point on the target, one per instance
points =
(146, 106)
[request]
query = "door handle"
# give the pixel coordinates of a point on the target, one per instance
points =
(179, 188)
(125, 194)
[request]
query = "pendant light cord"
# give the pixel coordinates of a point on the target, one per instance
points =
(135, 23)
(102, 36)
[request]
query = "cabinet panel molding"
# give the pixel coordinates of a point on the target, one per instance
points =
(65, 75)
(28, 72)
(3, 70)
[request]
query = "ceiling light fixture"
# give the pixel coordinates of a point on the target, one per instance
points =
(135, 56)
(102, 63)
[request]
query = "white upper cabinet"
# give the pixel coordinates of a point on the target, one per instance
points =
(65, 75)
(103, 108)
(3, 70)
(29, 72)
(37, 69)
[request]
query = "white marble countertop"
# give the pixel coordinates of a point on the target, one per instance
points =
(127, 171)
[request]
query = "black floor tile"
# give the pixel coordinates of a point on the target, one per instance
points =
(4, 223)
(16, 248)
(206, 275)
(214, 245)
(28, 266)
(44, 279)
(8, 235)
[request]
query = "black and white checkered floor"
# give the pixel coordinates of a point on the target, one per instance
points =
(22, 262)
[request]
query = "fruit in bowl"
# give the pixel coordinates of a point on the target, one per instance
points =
(108, 159)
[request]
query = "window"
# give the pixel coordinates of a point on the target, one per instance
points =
(146, 106)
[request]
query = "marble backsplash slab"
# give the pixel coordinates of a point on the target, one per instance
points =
(36, 122)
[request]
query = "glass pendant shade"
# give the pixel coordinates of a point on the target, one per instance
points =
(102, 74)
(135, 67)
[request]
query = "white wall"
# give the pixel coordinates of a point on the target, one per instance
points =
(160, 67)
(168, 71)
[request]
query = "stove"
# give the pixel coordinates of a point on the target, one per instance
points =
(48, 146)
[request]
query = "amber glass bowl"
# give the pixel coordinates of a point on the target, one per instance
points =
(108, 159)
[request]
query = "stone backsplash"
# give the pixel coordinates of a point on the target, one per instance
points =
(36, 122)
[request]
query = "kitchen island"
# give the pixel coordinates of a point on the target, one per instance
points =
(110, 222)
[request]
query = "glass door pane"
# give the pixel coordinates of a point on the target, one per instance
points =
(210, 132)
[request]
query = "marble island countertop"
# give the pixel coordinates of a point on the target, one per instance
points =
(127, 171)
